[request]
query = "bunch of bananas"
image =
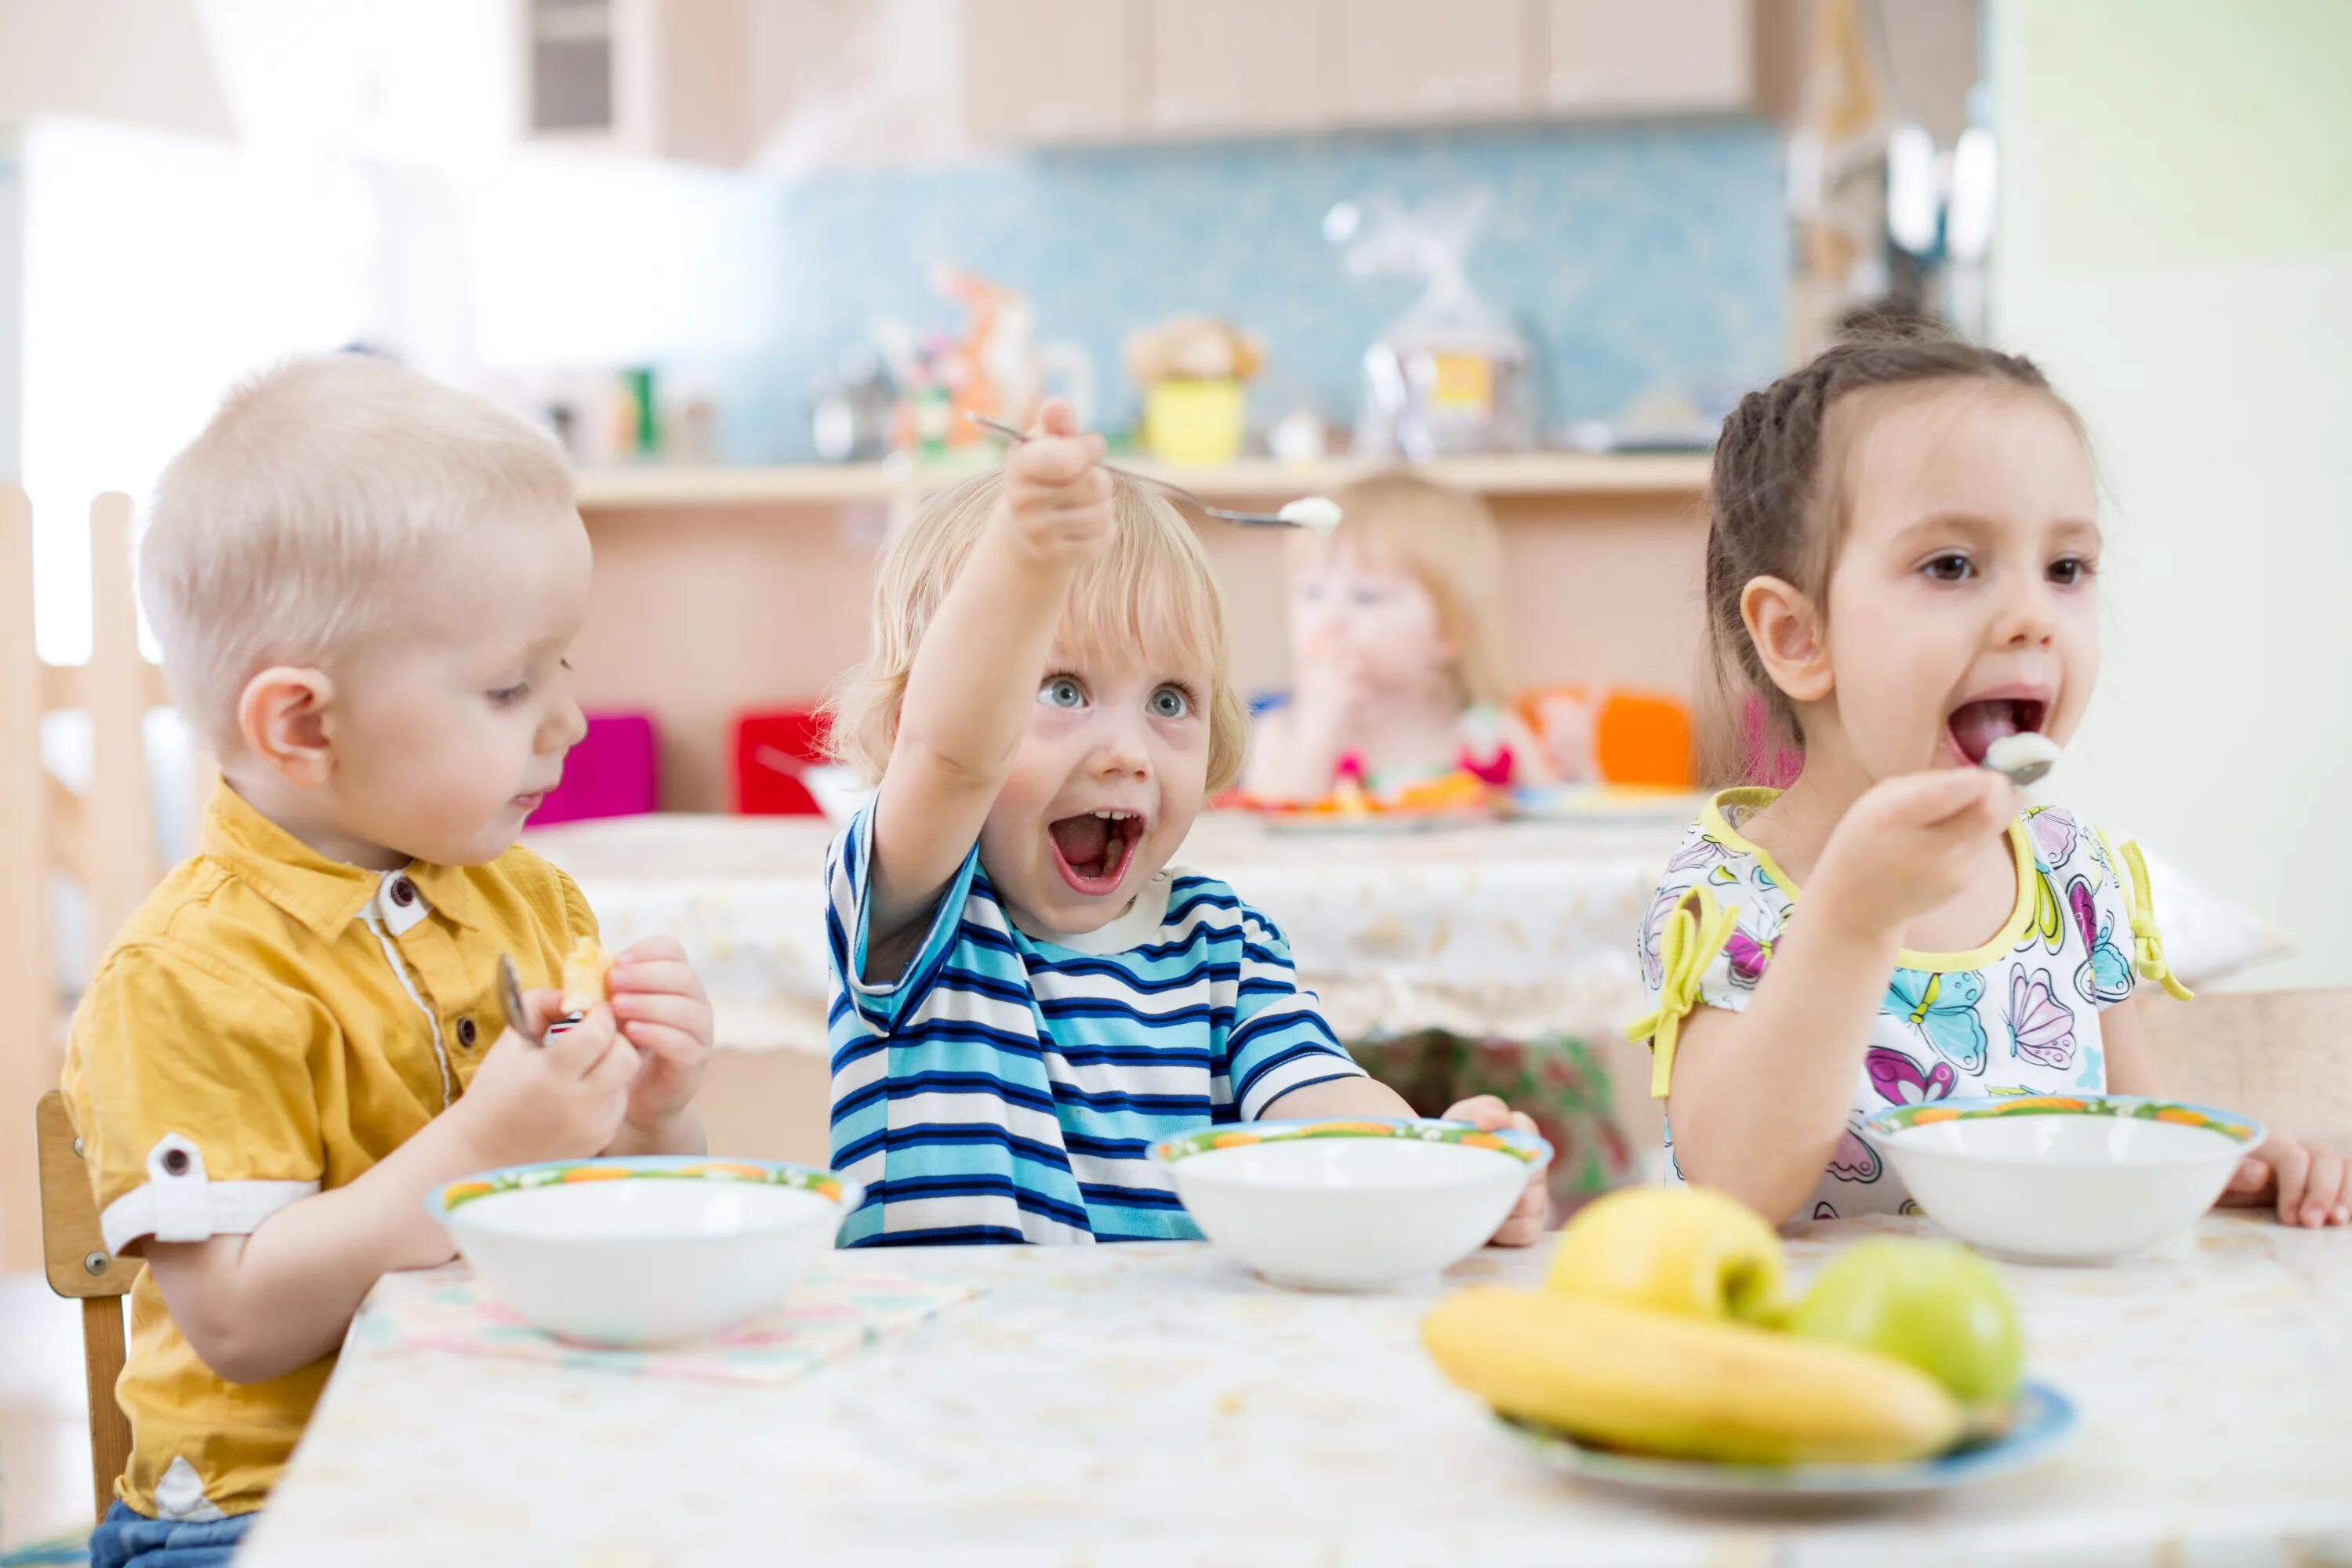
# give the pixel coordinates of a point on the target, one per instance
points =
(1664, 1329)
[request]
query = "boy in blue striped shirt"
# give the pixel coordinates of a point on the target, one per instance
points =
(1026, 995)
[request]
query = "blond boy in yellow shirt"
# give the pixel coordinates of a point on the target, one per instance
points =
(365, 586)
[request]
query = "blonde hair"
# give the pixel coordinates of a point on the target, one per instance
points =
(1153, 587)
(1447, 540)
(292, 529)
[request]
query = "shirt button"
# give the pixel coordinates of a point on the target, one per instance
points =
(466, 1033)
(404, 891)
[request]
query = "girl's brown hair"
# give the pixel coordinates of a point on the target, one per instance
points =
(1776, 510)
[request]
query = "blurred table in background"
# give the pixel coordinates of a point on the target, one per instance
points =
(1521, 931)
(1518, 929)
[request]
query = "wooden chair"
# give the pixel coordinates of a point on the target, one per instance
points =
(103, 839)
(80, 1269)
(2284, 1057)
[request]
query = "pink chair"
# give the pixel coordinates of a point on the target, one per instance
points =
(615, 771)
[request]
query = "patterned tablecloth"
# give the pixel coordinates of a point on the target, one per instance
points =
(1517, 931)
(1148, 1405)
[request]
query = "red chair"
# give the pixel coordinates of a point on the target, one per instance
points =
(771, 750)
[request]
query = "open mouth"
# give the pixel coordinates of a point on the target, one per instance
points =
(1094, 848)
(1975, 726)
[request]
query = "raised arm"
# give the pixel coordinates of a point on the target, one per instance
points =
(974, 679)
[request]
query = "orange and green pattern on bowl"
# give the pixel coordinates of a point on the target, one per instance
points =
(1896, 1119)
(1517, 1144)
(526, 1178)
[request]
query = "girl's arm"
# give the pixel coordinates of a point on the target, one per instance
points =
(1531, 762)
(1758, 1098)
(974, 679)
(1293, 759)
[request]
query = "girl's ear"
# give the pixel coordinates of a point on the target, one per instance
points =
(1785, 627)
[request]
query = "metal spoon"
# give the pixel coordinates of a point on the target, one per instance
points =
(1245, 519)
(510, 997)
(2025, 756)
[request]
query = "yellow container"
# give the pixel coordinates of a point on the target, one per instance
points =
(1196, 424)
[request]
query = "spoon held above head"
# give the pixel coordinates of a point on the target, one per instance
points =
(1318, 514)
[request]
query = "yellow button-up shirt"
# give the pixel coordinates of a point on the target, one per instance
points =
(269, 1024)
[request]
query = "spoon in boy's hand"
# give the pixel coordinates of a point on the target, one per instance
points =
(2024, 756)
(1319, 513)
(511, 997)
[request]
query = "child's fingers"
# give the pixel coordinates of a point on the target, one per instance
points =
(651, 949)
(1056, 417)
(661, 976)
(615, 1071)
(540, 1010)
(689, 1014)
(2250, 1187)
(1954, 796)
(1485, 1111)
(2323, 1190)
(1057, 460)
(578, 1049)
(2290, 1164)
(674, 1048)
(1525, 1227)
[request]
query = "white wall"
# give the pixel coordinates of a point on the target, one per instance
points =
(2176, 250)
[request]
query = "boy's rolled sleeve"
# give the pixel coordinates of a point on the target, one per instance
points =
(191, 1093)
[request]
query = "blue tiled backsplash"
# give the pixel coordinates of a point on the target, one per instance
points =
(1639, 258)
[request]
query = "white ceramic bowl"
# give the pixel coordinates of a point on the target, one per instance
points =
(646, 1251)
(1349, 1206)
(2064, 1178)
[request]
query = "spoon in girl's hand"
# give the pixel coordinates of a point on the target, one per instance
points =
(2024, 756)
(1318, 514)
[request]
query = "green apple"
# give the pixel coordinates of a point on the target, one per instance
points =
(1935, 1304)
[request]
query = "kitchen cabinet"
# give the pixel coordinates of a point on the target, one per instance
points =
(1606, 57)
(1054, 70)
(1406, 62)
(1234, 67)
(655, 78)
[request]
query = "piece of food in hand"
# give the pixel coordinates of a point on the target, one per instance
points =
(1934, 1304)
(1686, 1250)
(587, 972)
(2024, 756)
(1320, 513)
(1687, 1387)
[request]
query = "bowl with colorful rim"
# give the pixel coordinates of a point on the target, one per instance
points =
(2059, 1178)
(1349, 1204)
(646, 1250)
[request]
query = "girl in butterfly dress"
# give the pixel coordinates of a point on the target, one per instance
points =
(1903, 566)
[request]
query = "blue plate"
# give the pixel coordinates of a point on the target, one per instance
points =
(2045, 1421)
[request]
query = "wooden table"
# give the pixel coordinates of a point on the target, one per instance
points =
(1155, 1403)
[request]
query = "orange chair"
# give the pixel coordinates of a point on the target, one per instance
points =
(1635, 737)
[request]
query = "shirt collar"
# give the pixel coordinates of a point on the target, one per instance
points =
(324, 895)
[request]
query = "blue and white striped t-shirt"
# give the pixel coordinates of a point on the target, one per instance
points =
(1004, 1088)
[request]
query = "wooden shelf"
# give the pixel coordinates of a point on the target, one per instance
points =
(654, 487)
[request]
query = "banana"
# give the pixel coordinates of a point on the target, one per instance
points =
(1689, 1387)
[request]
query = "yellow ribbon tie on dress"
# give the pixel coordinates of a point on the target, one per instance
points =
(1688, 945)
(2145, 938)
